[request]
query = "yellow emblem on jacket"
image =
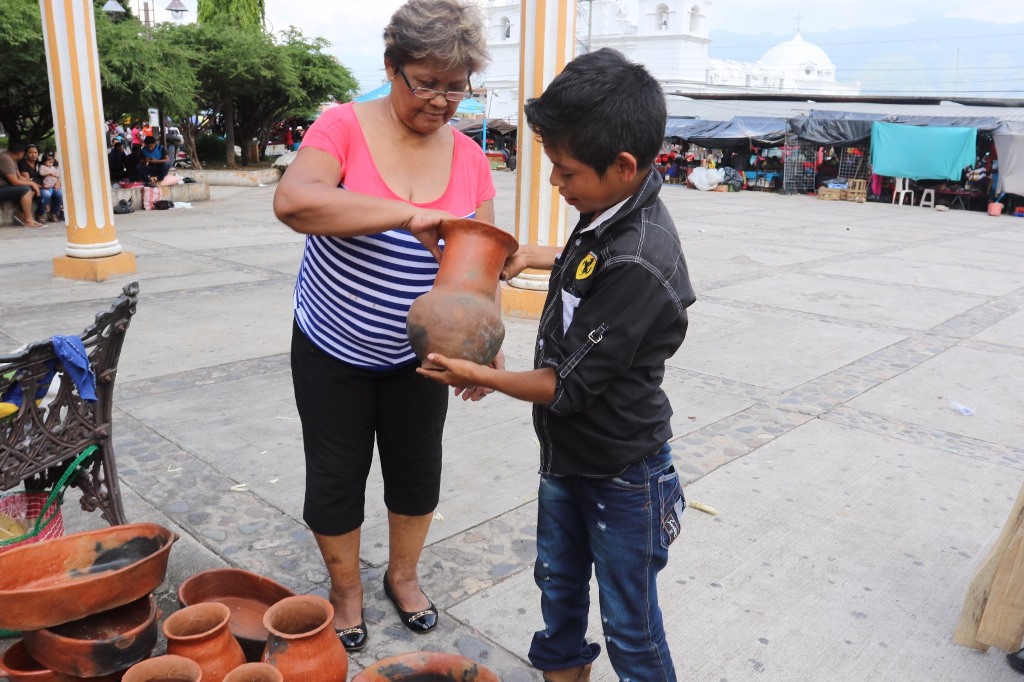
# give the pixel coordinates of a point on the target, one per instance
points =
(586, 267)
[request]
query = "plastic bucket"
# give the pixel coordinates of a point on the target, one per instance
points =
(995, 208)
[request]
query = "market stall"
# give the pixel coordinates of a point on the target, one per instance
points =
(1009, 142)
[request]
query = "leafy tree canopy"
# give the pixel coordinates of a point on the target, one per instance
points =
(246, 14)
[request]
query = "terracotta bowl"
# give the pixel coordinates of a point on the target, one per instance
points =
(65, 579)
(18, 665)
(98, 645)
(426, 666)
(248, 595)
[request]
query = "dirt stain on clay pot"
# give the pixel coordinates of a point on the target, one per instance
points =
(120, 556)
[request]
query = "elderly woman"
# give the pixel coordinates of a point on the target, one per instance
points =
(369, 187)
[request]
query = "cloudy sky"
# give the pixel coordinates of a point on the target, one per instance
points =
(354, 26)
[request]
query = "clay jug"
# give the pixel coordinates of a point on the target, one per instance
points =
(255, 672)
(168, 668)
(302, 643)
(426, 666)
(458, 317)
(200, 632)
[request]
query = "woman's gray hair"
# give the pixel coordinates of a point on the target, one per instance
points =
(449, 32)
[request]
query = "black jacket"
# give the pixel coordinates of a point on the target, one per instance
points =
(631, 283)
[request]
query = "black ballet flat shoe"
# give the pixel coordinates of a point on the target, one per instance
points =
(1016, 661)
(354, 639)
(418, 621)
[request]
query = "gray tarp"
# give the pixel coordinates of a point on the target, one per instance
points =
(844, 127)
(761, 130)
(1009, 139)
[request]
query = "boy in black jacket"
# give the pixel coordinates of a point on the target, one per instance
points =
(610, 499)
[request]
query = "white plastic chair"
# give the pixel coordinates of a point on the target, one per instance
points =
(927, 198)
(901, 191)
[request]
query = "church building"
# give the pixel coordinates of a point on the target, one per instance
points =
(672, 39)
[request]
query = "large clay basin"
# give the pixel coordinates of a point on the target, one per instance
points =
(248, 595)
(97, 645)
(57, 581)
(18, 665)
(426, 666)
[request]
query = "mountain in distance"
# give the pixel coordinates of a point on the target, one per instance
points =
(928, 57)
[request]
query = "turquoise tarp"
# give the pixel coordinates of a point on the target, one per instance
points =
(918, 152)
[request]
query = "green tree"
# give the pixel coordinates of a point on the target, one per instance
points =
(25, 111)
(298, 77)
(139, 71)
(246, 14)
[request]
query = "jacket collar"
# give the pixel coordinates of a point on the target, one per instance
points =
(648, 190)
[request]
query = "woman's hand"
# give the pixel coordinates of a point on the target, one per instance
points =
(423, 225)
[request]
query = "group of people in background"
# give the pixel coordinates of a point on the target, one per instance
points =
(136, 156)
(33, 179)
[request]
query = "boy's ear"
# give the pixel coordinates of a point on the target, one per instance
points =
(625, 166)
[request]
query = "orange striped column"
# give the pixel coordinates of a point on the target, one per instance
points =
(72, 62)
(547, 41)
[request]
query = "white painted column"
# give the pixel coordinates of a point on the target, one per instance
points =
(72, 62)
(547, 43)
(548, 40)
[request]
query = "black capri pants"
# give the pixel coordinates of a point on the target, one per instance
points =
(342, 408)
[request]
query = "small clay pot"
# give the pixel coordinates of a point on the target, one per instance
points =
(302, 643)
(200, 632)
(255, 672)
(98, 645)
(247, 594)
(169, 668)
(426, 666)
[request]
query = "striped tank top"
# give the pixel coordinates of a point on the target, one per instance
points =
(352, 294)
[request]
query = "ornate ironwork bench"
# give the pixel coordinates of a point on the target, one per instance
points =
(41, 438)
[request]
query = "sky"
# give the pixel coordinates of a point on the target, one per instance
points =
(354, 28)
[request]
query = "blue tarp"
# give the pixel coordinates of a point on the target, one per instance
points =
(918, 152)
(469, 106)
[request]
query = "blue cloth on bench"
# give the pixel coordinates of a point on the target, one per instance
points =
(71, 352)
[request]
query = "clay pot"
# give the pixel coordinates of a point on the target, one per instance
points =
(65, 579)
(248, 595)
(458, 317)
(200, 632)
(98, 645)
(168, 668)
(18, 665)
(426, 666)
(302, 643)
(255, 672)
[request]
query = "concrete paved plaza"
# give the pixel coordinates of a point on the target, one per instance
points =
(812, 409)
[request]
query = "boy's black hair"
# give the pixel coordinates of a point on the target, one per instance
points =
(601, 104)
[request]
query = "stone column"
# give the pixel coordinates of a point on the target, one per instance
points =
(547, 43)
(72, 62)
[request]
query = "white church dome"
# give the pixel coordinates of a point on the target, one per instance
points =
(798, 59)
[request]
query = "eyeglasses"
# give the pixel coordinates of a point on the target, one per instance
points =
(429, 93)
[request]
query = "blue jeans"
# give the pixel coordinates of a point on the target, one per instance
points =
(622, 527)
(51, 200)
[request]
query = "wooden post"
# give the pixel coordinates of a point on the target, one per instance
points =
(993, 613)
(72, 63)
(547, 40)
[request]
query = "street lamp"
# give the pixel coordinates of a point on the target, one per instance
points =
(113, 9)
(177, 9)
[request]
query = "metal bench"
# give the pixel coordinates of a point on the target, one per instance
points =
(53, 423)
